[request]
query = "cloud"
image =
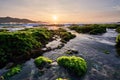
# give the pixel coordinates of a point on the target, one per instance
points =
(117, 7)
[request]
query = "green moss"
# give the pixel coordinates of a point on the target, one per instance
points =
(61, 79)
(98, 31)
(18, 44)
(71, 52)
(118, 44)
(13, 71)
(118, 40)
(110, 26)
(81, 29)
(3, 30)
(68, 52)
(76, 65)
(106, 52)
(64, 35)
(41, 61)
(118, 29)
(90, 29)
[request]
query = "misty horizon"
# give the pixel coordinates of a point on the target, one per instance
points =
(62, 11)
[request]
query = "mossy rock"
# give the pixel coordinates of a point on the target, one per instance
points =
(13, 71)
(75, 65)
(118, 29)
(71, 52)
(90, 29)
(118, 41)
(61, 79)
(22, 45)
(42, 62)
(118, 44)
(3, 30)
(64, 35)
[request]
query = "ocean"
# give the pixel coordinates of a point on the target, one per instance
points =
(19, 25)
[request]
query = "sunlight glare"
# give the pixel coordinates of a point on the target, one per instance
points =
(55, 18)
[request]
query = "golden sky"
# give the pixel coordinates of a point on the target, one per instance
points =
(65, 11)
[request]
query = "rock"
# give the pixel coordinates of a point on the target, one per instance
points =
(46, 49)
(73, 51)
(49, 48)
(2, 78)
(54, 64)
(60, 46)
(9, 65)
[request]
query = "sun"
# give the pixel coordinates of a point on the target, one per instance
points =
(55, 18)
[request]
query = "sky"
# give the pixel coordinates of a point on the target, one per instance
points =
(63, 11)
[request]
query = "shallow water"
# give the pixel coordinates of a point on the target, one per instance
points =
(92, 48)
(54, 44)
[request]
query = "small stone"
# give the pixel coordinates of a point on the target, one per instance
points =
(71, 51)
(9, 65)
(2, 78)
(54, 63)
(74, 51)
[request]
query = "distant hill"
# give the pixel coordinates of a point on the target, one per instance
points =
(15, 20)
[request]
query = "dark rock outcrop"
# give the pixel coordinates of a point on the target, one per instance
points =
(15, 20)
